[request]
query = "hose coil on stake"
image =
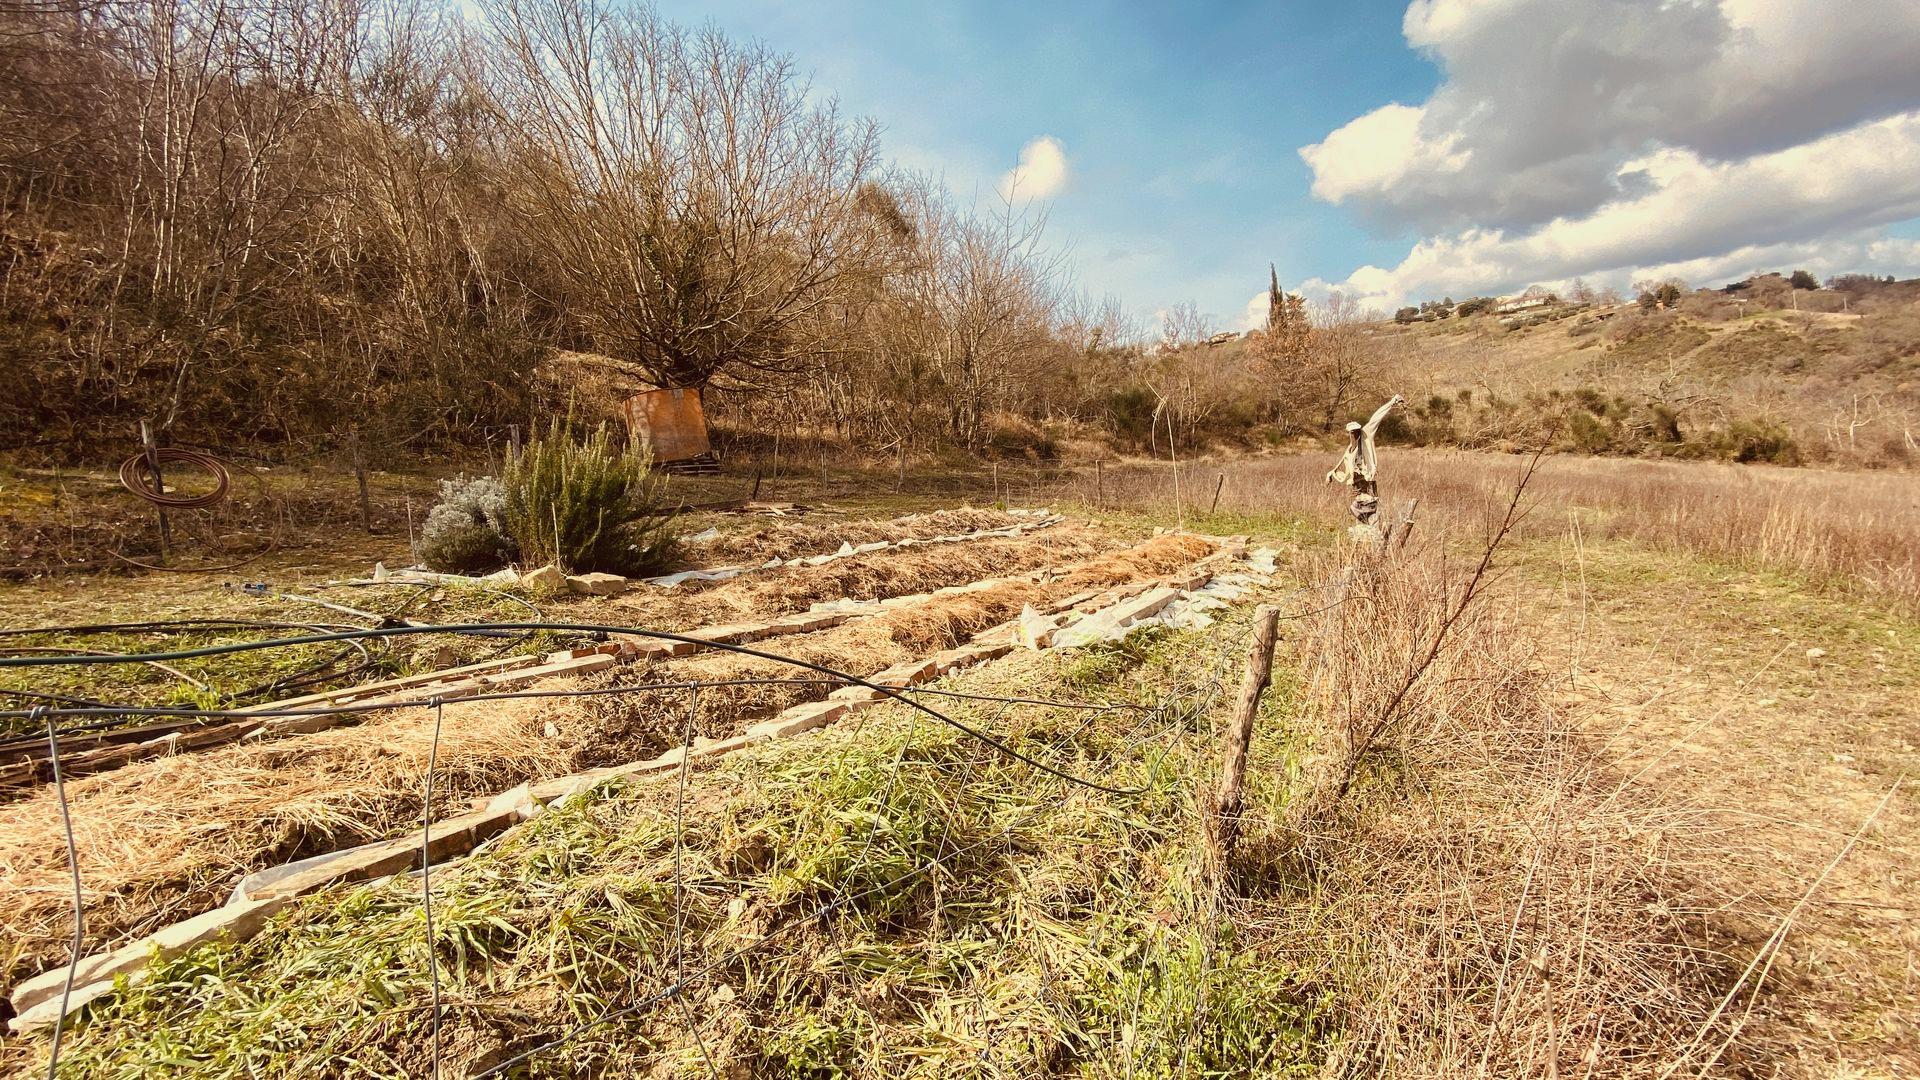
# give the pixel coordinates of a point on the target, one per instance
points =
(136, 475)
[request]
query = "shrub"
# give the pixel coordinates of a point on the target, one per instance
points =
(1663, 422)
(1131, 408)
(1588, 433)
(1762, 440)
(588, 506)
(466, 530)
(1015, 436)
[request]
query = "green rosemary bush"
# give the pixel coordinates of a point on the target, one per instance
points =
(588, 505)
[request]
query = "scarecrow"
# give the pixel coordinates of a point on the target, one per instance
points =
(1359, 464)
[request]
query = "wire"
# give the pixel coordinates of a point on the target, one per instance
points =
(426, 880)
(1164, 709)
(680, 982)
(79, 901)
(592, 628)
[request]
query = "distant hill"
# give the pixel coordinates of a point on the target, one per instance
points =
(1802, 375)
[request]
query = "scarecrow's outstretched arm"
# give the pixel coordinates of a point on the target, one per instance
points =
(1373, 422)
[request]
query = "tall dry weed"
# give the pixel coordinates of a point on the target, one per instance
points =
(1479, 894)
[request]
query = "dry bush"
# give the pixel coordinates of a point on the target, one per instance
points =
(1477, 893)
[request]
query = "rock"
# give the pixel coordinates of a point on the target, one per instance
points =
(546, 577)
(1815, 654)
(597, 584)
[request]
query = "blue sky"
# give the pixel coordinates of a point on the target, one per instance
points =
(1464, 145)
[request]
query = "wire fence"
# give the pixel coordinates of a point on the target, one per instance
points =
(1155, 723)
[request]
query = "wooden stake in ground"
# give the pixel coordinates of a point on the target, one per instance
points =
(159, 485)
(1229, 800)
(359, 452)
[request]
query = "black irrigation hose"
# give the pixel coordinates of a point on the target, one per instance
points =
(181, 712)
(585, 628)
(305, 677)
(36, 695)
(163, 626)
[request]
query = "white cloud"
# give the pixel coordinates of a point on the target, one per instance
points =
(1254, 315)
(1041, 173)
(1618, 136)
(1696, 216)
(1377, 151)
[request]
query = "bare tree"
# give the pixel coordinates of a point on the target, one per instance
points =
(699, 208)
(1183, 326)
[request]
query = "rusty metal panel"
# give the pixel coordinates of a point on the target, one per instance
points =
(671, 422)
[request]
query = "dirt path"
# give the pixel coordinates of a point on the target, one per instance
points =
(1784, 718)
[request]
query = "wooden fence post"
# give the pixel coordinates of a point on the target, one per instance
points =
(1229, 800)
(359, 452)
(152, 448)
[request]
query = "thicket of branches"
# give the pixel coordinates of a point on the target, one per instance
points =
(281, 221)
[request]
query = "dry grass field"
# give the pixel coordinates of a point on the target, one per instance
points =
(1626, 793)
(1857, 532)
(1738, 650)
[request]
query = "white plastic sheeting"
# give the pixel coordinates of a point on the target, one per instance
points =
(1191, 610)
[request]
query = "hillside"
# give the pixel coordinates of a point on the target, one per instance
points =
(1841, 386)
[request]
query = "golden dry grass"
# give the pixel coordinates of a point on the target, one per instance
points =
(868, 645)
(166, 839)
(876, 575)
(1855, 531)
(1478, 891)
(817, 535)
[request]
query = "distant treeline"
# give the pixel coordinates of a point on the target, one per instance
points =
(291, 220)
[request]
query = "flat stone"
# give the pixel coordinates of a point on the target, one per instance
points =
(574, 665)
(596, 584)
(908, 674)
(517, 800)
(453, 836)
(43, 1014)
(654, 648)
(1143, 607)
(804, 718)
(238, 921)
(857, 693)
